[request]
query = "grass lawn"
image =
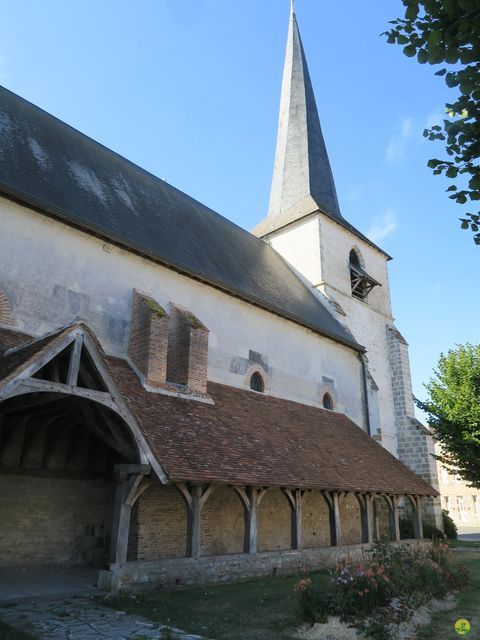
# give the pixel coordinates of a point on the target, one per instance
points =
(9, 633)
(262, 609)
(454, 544)
(442, 626)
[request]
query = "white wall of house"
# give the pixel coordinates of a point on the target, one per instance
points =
(52, 273)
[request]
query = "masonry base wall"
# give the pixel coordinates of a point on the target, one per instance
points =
(55, 522)
(135, 576)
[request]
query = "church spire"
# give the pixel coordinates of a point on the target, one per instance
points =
(302, 175)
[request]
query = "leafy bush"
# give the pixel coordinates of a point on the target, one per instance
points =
(431, 532)
(449, 526)
(377, 628)
(385, 588)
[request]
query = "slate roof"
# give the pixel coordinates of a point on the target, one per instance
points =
(49, 165)
(250, 438)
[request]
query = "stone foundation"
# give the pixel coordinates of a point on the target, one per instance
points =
(134, 576)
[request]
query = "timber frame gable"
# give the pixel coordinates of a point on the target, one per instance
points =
(70, 363)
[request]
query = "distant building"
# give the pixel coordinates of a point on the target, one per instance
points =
(461, 501)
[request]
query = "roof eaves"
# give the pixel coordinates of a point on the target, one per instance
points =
(65, 217)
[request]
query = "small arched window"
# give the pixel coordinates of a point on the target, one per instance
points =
(327, 402)
(257, 383)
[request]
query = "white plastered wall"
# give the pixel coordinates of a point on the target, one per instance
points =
(53, 273)
(319, 248)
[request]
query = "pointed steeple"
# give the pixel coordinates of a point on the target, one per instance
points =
(302, 176)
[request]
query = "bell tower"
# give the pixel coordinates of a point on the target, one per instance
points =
(345, 269)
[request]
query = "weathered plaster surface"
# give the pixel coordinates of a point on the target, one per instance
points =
(66, 273)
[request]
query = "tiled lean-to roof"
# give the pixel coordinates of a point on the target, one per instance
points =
(50, 166)
(245, 438)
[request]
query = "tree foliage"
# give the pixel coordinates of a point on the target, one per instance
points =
(447, 33)
(453, 410)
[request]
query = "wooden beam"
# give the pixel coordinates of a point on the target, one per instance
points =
(74, 364)
(366, 516)
(195, 496)
(333, 501)
(125, 493)
(393, 517)
(295, 499)
(23, 403)
(91, 424)
(417, 516)
(34, 385)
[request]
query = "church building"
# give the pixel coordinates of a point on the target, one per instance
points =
(182, 400)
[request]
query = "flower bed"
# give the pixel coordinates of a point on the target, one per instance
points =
(382, 591)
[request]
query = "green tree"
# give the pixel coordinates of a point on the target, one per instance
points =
(447, 32)
(453, 409)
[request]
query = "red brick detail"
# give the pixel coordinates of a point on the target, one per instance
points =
(148, 340)
(6, 316)
(187, 350)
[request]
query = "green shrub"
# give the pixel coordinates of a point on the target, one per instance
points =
(377, 628)
(393, 581)
(431, 532)
(449, 526)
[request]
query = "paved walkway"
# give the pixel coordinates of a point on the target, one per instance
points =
(36, 583)
(82, 618)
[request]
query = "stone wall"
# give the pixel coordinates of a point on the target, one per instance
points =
(55, 522)
(315, 521)
(161, 524)
(351, 528)
(95, 280)
(223, 523)
(415, 443)
(274, 522)
(188, 571)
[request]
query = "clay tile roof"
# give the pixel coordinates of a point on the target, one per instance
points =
(244, 438)
(255, 439)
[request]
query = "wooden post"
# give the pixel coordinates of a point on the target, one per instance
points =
(250, 545)
(251, 498)
(195, 497)
(295, 497)
(393, 517)
(128, 490)
(366, 516)
(333, 502)
(376, 522)
(417, 517)
(194, 522)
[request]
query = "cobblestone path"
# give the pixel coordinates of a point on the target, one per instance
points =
(82, 618)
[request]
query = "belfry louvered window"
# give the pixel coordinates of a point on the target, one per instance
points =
(361, 282)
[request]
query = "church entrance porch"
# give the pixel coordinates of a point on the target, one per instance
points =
(66, 449)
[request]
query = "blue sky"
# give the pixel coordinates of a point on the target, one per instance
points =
(190, 89)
